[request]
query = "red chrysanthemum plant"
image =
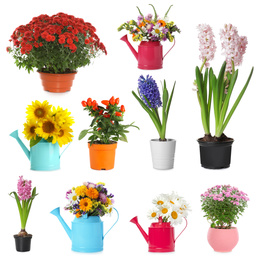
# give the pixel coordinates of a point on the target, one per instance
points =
(60, 43)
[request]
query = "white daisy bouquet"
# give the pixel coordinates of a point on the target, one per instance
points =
(170, 208)
(151, 28)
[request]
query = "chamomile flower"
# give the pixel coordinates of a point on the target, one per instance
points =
(73, 197)
(164, 210)
(110, 210)
(153, 214)
(157, 30)
(175, 216)
(159, 200)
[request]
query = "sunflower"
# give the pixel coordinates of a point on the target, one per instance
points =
(85, 204)
(64, 135)
(81, 190)
(62, 117)
(38, 110)
(29, 129)
(92, 193)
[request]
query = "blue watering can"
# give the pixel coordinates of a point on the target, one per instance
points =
(43, 156)
(86, 232)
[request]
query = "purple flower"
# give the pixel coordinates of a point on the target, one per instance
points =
(149, 27)
(102, 197)
(165, 30)
(148, 87)
(154, 38)
(24, 188)
(149, 17)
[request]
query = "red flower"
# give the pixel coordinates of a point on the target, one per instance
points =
(118, 114)
(69, 41)
(36, 45)
(8, 49)
(112, 100)
(40, 44)
(61, 40)
(106, 115)
(48, 38)
(86, 41)
(99, 128)
(89, 101)
(122, 108)
(101, 112)
(117, 101)
(75, 31)
(105, 102)
(84, 103)
(95, 107)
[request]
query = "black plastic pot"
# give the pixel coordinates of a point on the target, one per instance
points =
(215, 155)
(23, 244)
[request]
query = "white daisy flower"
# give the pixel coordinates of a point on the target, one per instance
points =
(175, 216)
(73, 198)
(159, 200)
(164, 210)
(110, 210)
(153, 214)
(156, 30)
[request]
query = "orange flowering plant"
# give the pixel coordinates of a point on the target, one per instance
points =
(105, 126)
(90, 199)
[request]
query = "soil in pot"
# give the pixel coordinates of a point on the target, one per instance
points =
(215, 153)
(23, 243)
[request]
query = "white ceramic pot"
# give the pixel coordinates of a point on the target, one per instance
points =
(163, 153)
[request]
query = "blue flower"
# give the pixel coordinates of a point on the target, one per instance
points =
(148, 88)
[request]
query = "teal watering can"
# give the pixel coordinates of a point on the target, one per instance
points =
(86, 233)
(43, 156)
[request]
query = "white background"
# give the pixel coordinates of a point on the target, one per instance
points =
(133, 180)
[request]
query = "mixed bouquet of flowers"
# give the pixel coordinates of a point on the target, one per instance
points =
(60, 43)
(221, 86)
(90, 199)
(149, 28)
(150, 100)
(105, 127)
(223, 204)
(170, 208)
(24, 198)
(44, 121)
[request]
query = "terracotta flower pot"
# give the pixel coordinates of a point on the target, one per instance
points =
(57, 83)
(23, 244)
(223, 240)
(102, 156)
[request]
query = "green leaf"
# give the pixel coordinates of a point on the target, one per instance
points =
(168, 11)
(83, 133)
(155, 14)
(35, 141)
(122, 137)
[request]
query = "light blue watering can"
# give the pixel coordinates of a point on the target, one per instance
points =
(43, 156)
(86, 233)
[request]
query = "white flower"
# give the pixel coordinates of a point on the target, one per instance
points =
(164, 210)
(175, 217)
(73, 198)
(156, 30)
(159, 200)
(110, 210)
(153, 214)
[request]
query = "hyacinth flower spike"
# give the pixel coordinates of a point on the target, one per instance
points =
(150, 100)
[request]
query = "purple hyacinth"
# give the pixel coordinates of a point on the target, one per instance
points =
(148, 88)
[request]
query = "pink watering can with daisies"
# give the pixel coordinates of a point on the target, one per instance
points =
(149, 55)
(160, 237)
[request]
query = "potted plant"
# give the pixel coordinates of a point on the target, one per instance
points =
(87, 202)
(169, 210)
(222, 205)
(150, 31)
(162, 149)
(24, 198)
(106, 129)
(215, 151)
(56, 46)
(47, 128)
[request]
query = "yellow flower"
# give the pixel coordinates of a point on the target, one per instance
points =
(48, 128)
(101, 183)
(38, 110)
(92, 193)
(29, 129)
(85, 204)
(64, 136)
(109, 202)
(81, 190)
(62, 117)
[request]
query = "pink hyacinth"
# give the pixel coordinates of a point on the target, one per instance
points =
(207, 43)
(233, 46)
(24, 189)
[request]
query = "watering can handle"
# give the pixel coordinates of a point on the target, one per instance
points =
(170, 48)
(183, 229)
(114, 223)
(65, 149)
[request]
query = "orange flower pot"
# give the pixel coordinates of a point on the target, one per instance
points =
(57, 83)
(102, 156)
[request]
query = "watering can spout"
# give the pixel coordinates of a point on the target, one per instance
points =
(135, 221)
(14, 134)
(56, 212)
(124, 38)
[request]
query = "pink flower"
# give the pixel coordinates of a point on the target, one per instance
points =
(207, 43)
(103, 197)
(24, 189)
(233, 45)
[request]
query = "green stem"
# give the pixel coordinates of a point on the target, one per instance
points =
(202, 65)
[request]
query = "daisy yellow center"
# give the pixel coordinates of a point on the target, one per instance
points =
(174, 215)
(61, 133)
(164, 210)
(157, 30)
(159, 202)
(48, 127)
(32, 129)
(39, 112)
(171, 202)
(74, 197)
(153, 215)
(110, 210)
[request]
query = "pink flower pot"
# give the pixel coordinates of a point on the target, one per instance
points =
(223, 240)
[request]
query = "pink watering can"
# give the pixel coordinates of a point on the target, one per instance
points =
(161, 235)
(150, 54)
